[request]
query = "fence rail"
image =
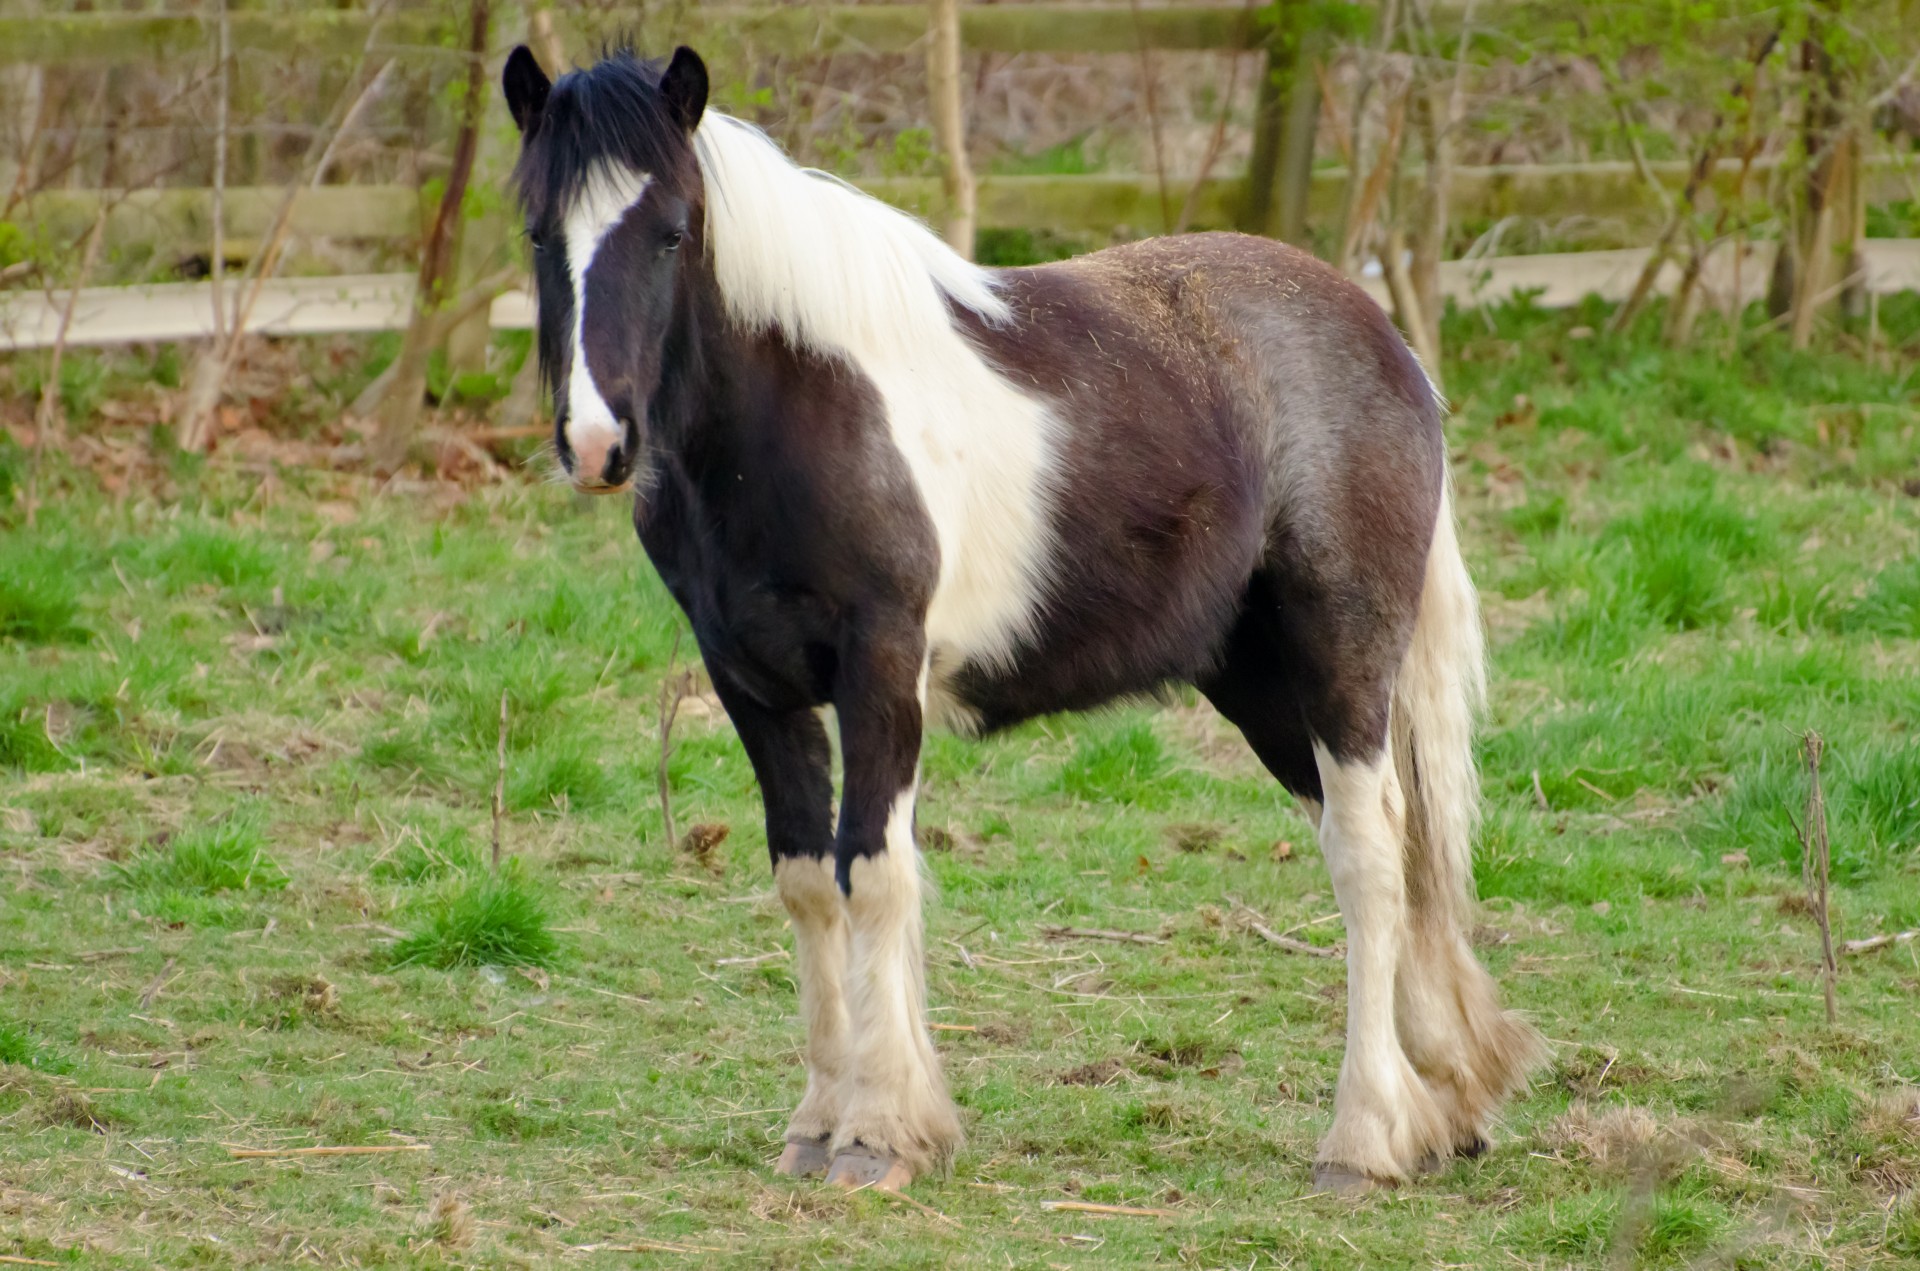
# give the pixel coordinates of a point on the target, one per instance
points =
(383, 302)
(1097, 203)
(873, 28)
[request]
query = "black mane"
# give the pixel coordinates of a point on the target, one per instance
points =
(610, 111)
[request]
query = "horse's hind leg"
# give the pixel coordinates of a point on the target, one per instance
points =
(1385, 1121)
(1309, 684)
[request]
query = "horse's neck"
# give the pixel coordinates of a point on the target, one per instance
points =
(701, 404)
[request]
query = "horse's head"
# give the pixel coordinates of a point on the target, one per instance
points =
(612, 195)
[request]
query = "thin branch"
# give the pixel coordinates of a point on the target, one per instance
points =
(500, 782)
(50, 391)
(1151, 95)
(214, 368)
(1813, 869)
(217, 266)
(671, 691)
(1219, 135)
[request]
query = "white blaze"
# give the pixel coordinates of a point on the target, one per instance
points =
(610, 192)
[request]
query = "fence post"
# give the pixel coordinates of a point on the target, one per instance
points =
(485, 235)
(1285, 120)
(525, 405)
(949, 123)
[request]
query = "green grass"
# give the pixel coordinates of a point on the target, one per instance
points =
(247, 757)
(497, 920)
(226, 856)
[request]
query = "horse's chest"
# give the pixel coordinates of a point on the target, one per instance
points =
(769, 629)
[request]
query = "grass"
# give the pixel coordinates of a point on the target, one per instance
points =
(226, 856)
(247, 753)
(497, 920)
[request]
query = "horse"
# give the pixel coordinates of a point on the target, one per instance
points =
(890, 489)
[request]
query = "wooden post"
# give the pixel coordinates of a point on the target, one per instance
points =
(400, 406)
(484, 241)
(524, 402)
(949, 123)
(1286, 117)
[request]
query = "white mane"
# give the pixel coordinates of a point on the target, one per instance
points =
(838, 271)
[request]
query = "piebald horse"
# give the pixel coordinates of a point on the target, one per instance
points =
(890, 487)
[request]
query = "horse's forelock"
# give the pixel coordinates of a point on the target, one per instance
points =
(608, 113)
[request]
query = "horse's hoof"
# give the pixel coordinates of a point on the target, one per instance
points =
(803, 1158)
(857, 1167)
(1338, 1180)
(1474, 1147)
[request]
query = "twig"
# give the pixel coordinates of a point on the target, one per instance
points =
(159, 982)
(1813, 868)
(217, 266)
(755, 960)
(1152, 102)
(216, 365)
(1218, 136)
(1871, 943)
(500, 782)
(953, 1028)
(1096, 933)
(1279, 941)
(647, 1246)
(1088, 1207)
(902, 1197)
(1353, 221)
(17, 1261)
(671, 691)
(50, 391)
(252, 1153)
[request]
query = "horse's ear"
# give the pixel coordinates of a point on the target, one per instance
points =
(685, 87)
(526, 86)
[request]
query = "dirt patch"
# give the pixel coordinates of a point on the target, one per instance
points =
(73, 1109)
(1194, 838)
(1588, 1070)
(1103, 1072)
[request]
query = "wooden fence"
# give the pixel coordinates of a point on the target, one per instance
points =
(1618, 194)
(1099, 203)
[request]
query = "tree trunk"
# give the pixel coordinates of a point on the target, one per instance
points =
(949, 124)
(400, 406)
(485, 243)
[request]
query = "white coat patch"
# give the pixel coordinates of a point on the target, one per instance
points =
(610, 192)
(843, 275)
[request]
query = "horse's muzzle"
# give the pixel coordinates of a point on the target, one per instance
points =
(602, 459)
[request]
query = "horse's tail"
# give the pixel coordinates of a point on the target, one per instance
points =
(1471, 1053)
(1437, 698)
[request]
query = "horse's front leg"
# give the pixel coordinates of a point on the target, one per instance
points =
(897, 1122)
(793, 764)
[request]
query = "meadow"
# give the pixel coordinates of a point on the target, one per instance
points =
(249, 720)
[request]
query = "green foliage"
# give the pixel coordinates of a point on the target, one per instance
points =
(21, 1045)
(39, 602)
(229, 855)
(1006, 248)
(495, 920)
(1123, 765)
(423, 857)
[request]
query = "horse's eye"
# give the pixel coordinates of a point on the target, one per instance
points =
(673, 240)
(537, 242)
